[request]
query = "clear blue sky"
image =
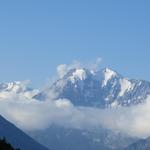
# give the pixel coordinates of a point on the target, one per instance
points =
(37, 35)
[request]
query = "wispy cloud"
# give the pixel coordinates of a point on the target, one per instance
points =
(62, 69)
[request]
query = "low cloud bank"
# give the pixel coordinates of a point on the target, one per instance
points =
(30, 114)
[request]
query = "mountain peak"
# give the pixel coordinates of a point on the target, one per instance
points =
(16, 88)
(108, 74)
(108, 71)
(99, 88)
(78, 74)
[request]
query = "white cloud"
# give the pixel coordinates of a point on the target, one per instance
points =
(32, 114)
(62, 69)
(63, 103)
(95, 65)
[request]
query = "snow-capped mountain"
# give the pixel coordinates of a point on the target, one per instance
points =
(105, 88)
(83, 87)
(16, 88)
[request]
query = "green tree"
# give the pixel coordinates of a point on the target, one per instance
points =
(4, 145)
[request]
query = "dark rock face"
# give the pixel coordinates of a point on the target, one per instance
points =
(17, 137)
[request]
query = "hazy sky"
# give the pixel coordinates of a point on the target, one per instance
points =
(38, 35)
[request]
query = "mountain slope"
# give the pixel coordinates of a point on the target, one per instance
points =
(104, 89)
(18, 138)
(60, 138)
(143, 144)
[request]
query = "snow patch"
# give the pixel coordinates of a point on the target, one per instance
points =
(63, 103)
(78, 74)
(108, 74)
(126, 85)
(114, 104)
